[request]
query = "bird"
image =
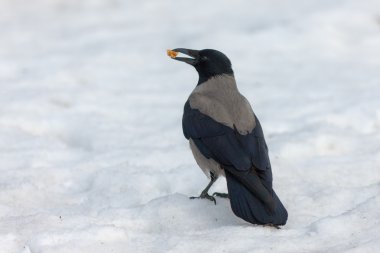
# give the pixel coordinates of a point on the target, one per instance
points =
(226, 139)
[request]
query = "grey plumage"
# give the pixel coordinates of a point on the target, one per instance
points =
(206, 164)
(226, 139)
(220, 99)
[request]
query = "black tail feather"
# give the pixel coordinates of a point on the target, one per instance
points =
(248, 207)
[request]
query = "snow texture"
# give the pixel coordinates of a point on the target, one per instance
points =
(92, 154)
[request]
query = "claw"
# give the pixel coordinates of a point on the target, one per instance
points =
(204, 195)
(221, 195)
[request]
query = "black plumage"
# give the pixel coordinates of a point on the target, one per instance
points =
(246, 163)
(243, 156)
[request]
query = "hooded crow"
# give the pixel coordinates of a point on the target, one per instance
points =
(226, 139)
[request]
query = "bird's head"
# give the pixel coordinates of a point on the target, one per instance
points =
(208, 62)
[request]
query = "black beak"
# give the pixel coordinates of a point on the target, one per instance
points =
(190, 52)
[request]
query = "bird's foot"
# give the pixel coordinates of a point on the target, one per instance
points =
(204, 195)
(221, 195)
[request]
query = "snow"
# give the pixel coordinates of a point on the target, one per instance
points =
(92, 154)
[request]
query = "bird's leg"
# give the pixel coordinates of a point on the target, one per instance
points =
(221, 195)
(204, 194)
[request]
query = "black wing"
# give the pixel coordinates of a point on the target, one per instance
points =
(244, 158)
(225, 145)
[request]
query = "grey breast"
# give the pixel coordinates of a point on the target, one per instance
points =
(220, 99)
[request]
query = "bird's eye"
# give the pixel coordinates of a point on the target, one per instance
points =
(204, 58)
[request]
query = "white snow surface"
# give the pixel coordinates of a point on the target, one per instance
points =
(93, 158)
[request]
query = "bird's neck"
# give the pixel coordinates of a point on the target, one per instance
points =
(202, 79)
(225, 77)
(217, 86)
